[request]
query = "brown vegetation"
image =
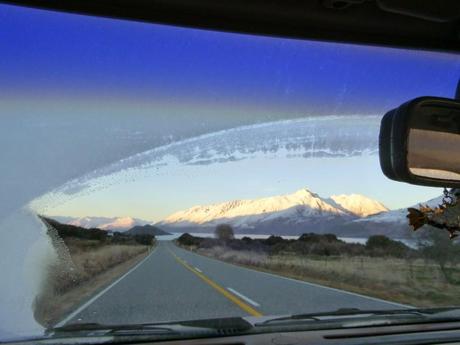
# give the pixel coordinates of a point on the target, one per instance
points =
(382, 268)
(84, 256)
(88, 259)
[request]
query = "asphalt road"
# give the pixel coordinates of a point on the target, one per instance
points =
(173, 284)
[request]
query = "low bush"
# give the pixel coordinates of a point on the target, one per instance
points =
(379, 245)
(189, 240)
(306, 245)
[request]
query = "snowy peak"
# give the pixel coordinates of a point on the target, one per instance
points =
(298, 207)
(119, 223)
(104, 223)
(399, 215)
(392, 223)
(359, 205)
(253, 208)
(305, 193)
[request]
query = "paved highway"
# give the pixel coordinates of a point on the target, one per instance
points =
(173, 284)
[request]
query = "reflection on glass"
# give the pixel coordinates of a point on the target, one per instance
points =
(434, 154)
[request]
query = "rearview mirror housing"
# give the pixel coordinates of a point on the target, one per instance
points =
(419, 142)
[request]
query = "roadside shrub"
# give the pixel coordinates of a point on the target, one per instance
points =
(146, 240)
(189, 240)
(224, 232)
(246, 239)
(272, 240)
(378, 241)
(253, 245)
(435, 245)
(315, 238)
(209, 243)
(120, 238)
(380, 245)
(310, 244)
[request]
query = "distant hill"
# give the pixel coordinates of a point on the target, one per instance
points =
(66, 231)
(146, 230)
(103, 223)
(297, 213)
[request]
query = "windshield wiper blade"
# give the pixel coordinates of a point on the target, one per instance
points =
(94, 327)
(222, 325)
(427, 313)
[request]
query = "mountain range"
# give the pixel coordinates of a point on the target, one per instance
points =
(289, 214)
(392, 223)
(351, 215)
(301, 212)
(104, 223)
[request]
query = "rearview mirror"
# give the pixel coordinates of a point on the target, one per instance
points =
(420, 142)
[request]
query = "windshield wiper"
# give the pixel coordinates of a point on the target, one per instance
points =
(189, 328)
(372, 316)
(99, 328)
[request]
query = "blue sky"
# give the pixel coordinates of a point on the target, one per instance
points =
(180, 82)
(77, 58)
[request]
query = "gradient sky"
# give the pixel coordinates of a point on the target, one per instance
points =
(77, 58)
(155, 84)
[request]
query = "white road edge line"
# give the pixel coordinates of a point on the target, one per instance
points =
(197, 269)
(310, 284)
(240, 295)
(95, 297)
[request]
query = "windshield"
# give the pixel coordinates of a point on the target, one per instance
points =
(153, 173)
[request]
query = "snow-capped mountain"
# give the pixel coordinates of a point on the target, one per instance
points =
(359, 205)
(392, 223)
(302, 211)
(104, 223)
(399, 215)
(122, 223)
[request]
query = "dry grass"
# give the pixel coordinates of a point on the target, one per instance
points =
(72, 274)
(89, 263)
(413, 282)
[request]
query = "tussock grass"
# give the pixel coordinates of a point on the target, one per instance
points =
(88, 259)
(87, 263)
(415, 282)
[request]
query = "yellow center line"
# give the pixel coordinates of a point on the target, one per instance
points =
(247, 308)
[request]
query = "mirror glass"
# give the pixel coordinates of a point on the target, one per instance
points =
(433, 148)
(434, 154)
